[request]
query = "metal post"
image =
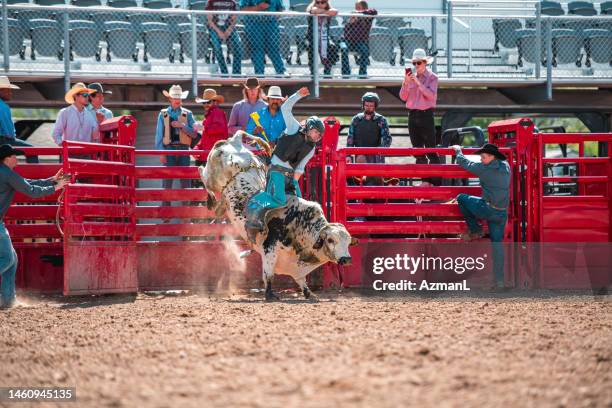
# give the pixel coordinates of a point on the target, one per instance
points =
(194, 54)
(434, 42)
(449, 40)
(315, 55)
(549, 58)
(5, 38)
(538, 37)
(66, 52)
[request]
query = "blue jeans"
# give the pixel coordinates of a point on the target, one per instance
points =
(361, 48)
(275, 196)
(8, 267)
(236, 46)
(176, 161)
(13, 141)
(474, 209)
(264, 38)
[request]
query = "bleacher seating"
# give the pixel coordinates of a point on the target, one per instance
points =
(121, 40)
(581, 8)
(84, 39)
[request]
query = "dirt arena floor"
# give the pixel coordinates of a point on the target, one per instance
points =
(156, 350)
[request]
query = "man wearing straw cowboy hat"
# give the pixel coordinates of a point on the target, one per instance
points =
(214, 125)
(8, 135)
(175, 132)
(75, 122)
(420, 91)
(10, 182)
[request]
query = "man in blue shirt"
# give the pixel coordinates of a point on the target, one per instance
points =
(9, 183)
(175, 132)
(270, 118)
(494, 173)
(7, 127)
(263, 33)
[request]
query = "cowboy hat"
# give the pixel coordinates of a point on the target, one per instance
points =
(175, 92)
(419, 54)
(76, 89)
(275, 92)
(210, 95)
(6, 84)
(8, 150)
(492, 150)
(252, 83)
(97, 88)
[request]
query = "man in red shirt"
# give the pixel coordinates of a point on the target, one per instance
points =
(213, 127)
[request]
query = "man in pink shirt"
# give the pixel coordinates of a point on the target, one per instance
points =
(420, 91)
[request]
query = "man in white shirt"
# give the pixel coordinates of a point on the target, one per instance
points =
(75, 122)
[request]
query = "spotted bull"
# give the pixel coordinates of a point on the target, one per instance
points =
(296, 239)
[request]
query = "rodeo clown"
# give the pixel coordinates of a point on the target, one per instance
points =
(293, 150)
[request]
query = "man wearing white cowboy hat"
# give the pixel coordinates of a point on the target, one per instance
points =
(271, 121)
(75, 122)
(8, 135)
(175, 132)
(420, 91)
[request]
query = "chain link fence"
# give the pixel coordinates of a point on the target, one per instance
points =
(163, 41)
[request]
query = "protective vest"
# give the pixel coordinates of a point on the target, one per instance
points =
(366, 133)
(293, 148)
(183, 138)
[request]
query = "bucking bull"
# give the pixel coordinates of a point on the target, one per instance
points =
(296, 238)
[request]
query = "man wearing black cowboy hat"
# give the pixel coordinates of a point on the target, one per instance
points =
(9, 183)
(494, 173)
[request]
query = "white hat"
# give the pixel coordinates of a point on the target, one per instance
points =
(275, 92)
(175, 92)
(419, 54)
(6, 84)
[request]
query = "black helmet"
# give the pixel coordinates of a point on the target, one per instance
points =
(370, 97)
(314, 122)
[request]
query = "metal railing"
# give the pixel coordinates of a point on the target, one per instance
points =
(484, 41)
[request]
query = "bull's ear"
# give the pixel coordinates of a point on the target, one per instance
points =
(211, 201)
(354, 241)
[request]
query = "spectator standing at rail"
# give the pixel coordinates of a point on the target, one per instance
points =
(420, 92)
(75, 122)
(252, 102)
(10, 182)
(369, 128)
(328, 51)
(270, 118)
(222, 28)
(357, 39)
(214, 125)
(8, 135)
(175, 132)
(263, 34)
(96, 102)
(494, 174)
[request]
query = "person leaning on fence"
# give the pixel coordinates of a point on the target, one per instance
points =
(10, 182)
(271, 122)
(420, 91)
(252, 102)
(328, 50)
(96, 102)
(291, 154)
(356, 38)
(369, 128)
(214, 125)
(8, 135)
(494, 174)
(222, 28)
(175, 132)
(263, 34)
(75, 122)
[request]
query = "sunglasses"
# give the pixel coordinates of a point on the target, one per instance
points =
(320, 2)
(416, 64)
(86, 95)
(206, 103)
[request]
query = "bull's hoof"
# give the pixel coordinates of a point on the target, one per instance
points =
(308, 295)
(271, 296)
